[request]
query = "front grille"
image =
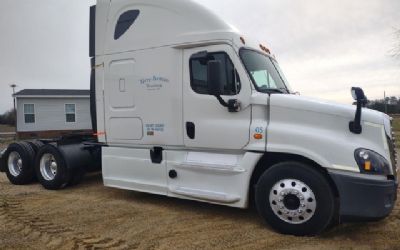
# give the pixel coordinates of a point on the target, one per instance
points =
(392, 149)
(393, 153)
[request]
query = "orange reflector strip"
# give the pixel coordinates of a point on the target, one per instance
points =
(99, 133)
(367, 165)
(258, 136)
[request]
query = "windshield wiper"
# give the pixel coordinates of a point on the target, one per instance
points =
(279, 90)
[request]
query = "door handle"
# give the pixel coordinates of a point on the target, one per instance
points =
(190, 130)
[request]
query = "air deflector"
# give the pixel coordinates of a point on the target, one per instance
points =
(125, 21)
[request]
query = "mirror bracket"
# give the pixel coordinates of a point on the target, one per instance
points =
(361, 100)
(233, 105)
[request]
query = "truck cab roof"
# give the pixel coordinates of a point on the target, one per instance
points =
(139, 24)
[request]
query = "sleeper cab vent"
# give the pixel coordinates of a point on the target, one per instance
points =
(125, 21)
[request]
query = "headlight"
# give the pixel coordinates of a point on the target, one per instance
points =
(371, 162)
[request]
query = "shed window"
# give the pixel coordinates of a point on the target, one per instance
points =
(29, 113)
(70, 114)
(198, 74)
(124, 22)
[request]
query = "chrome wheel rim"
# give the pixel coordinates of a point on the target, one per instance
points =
(15, 163)
(292, 201)
(48, 167)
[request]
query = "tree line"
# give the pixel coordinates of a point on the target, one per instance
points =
(389, 105)
(8, 118)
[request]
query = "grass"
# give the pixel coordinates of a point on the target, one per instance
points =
(6, 128)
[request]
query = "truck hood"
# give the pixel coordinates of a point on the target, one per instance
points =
(326, 107)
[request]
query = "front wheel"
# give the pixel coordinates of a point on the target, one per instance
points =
(295, 199)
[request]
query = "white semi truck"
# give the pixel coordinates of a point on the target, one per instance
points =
(186, 106)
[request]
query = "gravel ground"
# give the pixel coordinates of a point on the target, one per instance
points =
(91, 216)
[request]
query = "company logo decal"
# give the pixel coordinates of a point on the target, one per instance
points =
(154, 83)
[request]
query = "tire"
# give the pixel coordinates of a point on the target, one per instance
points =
(295, 199)
(18, 160)
(51, 169)
(36, 145)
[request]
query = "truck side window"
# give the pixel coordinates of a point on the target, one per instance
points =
(198, 74)
(124, 22)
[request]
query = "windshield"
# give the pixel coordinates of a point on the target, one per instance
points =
(264, 72)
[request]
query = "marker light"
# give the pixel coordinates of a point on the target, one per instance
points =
(265, 49)
(258, 136)
(367, 166)
(243, 41)
(371, 162)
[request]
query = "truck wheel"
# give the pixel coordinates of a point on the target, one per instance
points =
(50, 167)
(295, 199)
(36, 145)
(19, 158)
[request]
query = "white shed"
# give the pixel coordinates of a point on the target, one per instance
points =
(52, 112)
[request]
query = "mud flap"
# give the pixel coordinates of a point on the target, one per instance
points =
(2, 161)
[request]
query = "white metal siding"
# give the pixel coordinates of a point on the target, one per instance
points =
(50, 114)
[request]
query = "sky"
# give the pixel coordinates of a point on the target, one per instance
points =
(324, 47)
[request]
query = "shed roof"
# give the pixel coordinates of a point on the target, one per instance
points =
(53, 92)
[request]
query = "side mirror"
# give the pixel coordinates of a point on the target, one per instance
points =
(358, 94)
(214, 77)
(361, 101)
(216, 85)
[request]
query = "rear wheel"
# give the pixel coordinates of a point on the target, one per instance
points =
(295, 199)
(19, 158)
(51, 169)
(36, 145)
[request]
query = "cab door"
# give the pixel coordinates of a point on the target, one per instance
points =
(208, 124)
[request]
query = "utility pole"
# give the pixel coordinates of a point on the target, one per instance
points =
(13, 86)
(384, 99)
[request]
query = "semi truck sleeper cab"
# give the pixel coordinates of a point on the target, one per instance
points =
(184, 105)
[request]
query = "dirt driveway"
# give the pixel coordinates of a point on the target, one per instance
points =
(91, 216)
